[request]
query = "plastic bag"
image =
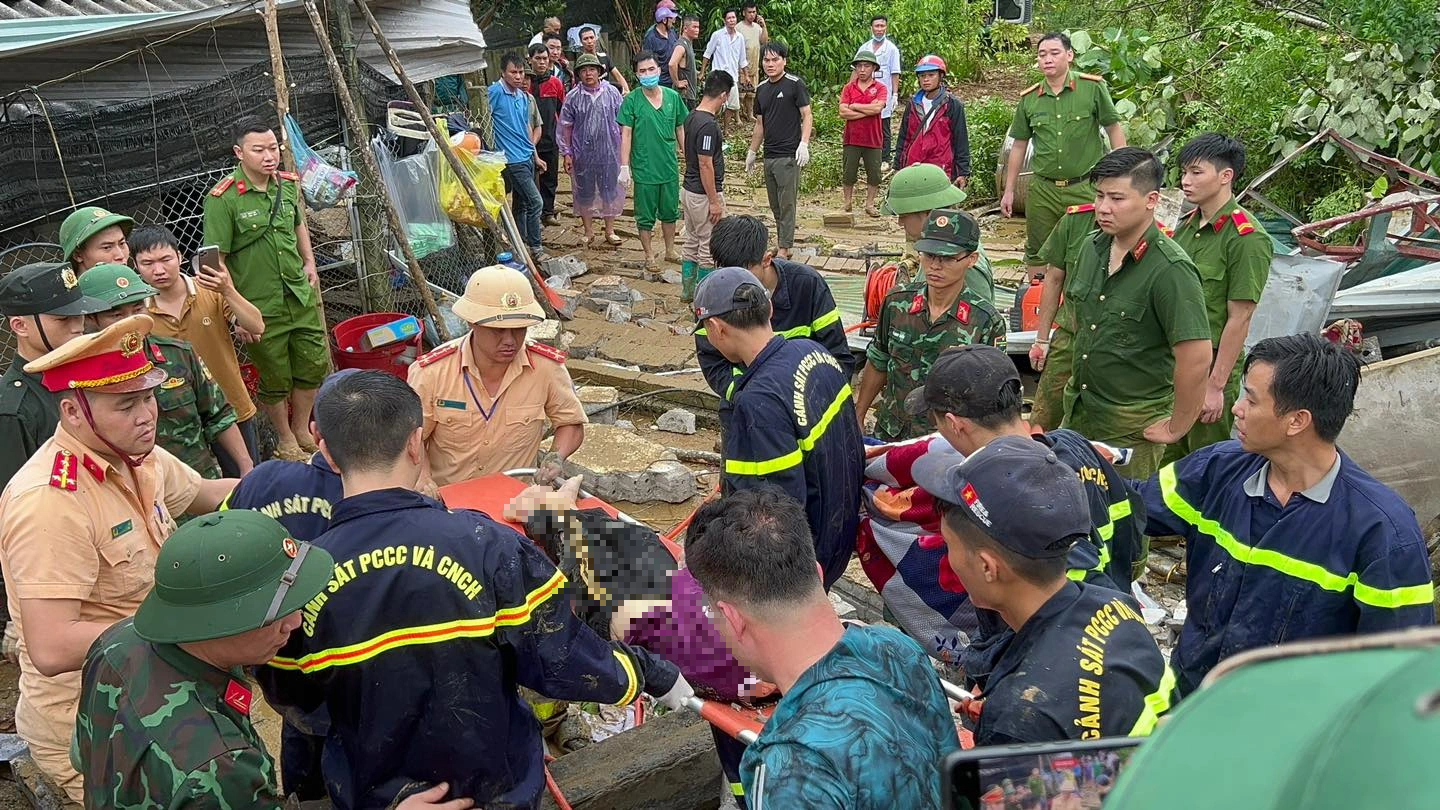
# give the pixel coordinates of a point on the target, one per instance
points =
(412, 185)
(324, 185)
(485, 170)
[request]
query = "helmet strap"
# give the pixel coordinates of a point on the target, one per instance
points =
(287, 579)
(133, 462)
(44, 338)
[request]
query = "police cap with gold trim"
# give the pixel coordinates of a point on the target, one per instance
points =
(111, 361)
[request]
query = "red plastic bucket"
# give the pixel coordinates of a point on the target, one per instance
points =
(393, 359)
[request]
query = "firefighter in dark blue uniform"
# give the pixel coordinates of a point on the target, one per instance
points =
(300, 495)
(792, 423)
(431, 621)
(1286, 538)
(801, 305)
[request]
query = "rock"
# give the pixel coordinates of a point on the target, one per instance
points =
(596, 304)
(566, 267)
(568, 301)
(671, 276)
(676, 420)
(621, 466)
(567, 339)
(658, 326)
(545, 332)
(625, 424)
(610, 288)
(558, 282)
(599, 402)
(617, 313)
(636, 296)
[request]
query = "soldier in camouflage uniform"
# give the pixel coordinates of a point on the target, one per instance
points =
(919, 321)
(164, 714)
(914, 192)
(193, 411)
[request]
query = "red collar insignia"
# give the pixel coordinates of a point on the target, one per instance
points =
(962, 312)
(918, 305)
(240, 186)
(1140, 248)
(238, 697)
(94, 468)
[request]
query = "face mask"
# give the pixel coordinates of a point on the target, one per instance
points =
(650, 81)
(880, 39)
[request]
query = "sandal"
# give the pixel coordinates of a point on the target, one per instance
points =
(613, 239)
(870, 211)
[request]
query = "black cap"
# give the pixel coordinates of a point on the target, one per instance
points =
(719, 293)
(46, 288)
(965, 381)
(1017, 491)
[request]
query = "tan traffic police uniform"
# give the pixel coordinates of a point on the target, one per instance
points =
(75, 526)
(468, 432)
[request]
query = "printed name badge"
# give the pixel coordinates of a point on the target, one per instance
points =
(457, 404)
(121, 528)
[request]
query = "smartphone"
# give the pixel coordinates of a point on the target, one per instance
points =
(206, 260)
(1068, 775)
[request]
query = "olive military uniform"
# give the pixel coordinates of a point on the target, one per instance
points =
(1127, 324)
(256, 230)
(193, 409)
(1064, 131)
(1233, 257)
(1062, 249)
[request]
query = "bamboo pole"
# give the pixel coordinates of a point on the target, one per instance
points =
(362, 144)
(511, 230)
(282, 87)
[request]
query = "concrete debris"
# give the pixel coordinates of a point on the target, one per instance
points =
(621, 466)
(610, 288)
(568, 300)
(558, 283)
(671, 276)
(843, 609)
(566, 267)
(599, 402)
(545, 332)
(625, 424)
(676, 420)
(636, 296)
(658, 326)
(567, 339)
(596, 304)
(617, 313)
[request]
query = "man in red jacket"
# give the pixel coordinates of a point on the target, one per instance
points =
(933, 129)
(549, 93)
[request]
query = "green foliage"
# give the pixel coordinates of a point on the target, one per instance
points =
(1348, 197)
(988, 119)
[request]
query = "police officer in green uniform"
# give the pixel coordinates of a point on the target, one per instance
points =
(1062, 115)
(1142, 342)
(193, 411)
(165, 703)
(1233, 256)
(1050, 354)
(920, 320)
(256, 217)
(43, 307)
(915, 191)
(93, 235)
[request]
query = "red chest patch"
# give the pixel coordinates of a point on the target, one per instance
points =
(238, 697)
(918, 305)
(962, 312)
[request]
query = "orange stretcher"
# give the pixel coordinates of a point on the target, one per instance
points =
(491, 493)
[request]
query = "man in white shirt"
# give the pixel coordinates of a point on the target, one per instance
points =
(887, 53)
(726, 51)
(751, 26)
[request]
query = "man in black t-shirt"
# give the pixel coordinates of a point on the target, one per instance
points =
(702, 197)
(782, 122)
(1081, 664)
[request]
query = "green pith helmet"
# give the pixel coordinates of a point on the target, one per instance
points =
(865, 55)
(1280, 730)
(115, 284)
(921, 187)
(949, 232)
(588, 60)
(227, 573)
(85, 223)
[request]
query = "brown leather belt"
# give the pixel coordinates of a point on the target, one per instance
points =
(1064, 183)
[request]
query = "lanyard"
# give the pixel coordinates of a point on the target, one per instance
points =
(476, 398)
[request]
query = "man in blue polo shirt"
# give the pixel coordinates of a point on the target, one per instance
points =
(1286, 537)
(517, 129)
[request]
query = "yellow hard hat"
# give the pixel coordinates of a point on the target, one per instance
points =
(500, 297)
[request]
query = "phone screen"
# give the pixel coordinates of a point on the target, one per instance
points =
(1052, 776)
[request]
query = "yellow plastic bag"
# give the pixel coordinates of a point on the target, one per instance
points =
(484, 170)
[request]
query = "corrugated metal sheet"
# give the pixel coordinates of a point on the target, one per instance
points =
(28, 10)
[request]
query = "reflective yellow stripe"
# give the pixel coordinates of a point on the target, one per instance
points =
(225, 504)
(735, 373)
(1077, 574)
(1118, 510)
(424, 634)
(796, 332)
(797, 455)
(701, 332)
(633, 682)
(825, 320)
(1156, 704)
(737, 789)
(1403, 596)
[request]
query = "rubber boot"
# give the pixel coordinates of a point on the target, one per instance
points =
(701, 273)
(689, 272)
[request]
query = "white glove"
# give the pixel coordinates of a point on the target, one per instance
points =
(625, 176)
(678, 694)
(802, 154)
(750, 161)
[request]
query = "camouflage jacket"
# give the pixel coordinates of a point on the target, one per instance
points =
(906, 344)
(193, 409)
(157, 727)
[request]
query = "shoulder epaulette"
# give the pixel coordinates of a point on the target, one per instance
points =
(1080, 209)
(1032, 88)
(548, 351)
(1243, 225)
(1165, 229)
(1091, 76)
(220, 189)
(288, 176)
(438, 353)
(62, 475)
